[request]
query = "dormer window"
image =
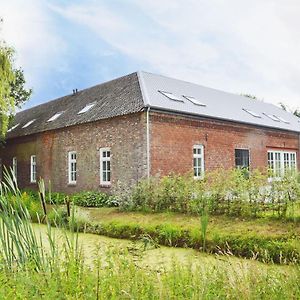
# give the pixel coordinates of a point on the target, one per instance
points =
(28, 123)
(86, 108)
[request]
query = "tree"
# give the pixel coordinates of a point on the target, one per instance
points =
(18, 91)
(7, 78)
(12, 87)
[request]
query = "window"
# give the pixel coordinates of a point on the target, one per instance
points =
(86, 108)
(194, 101)
(72, 167)
(33, 169)
(28, 123)
(54, 117)
(252, 113)
(281, 162)
(272, 117)
(242, 158)
(14, 166)
(12, 128)
(198, 161)
(172, 96)
(282, 120)
(105, 166)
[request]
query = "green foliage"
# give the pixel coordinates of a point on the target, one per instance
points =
(85, 198)
(7, 77)
(225, 192)
(93, 199)
(29, 271)
(17, 89)
(282, 250)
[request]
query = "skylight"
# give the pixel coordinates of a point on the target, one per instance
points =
(252, 113)
(54, 117)
(172, 96)
(194, 101)
(282, 120)
(28, 123)
(86, 108)
(272, 117)
(14, 127)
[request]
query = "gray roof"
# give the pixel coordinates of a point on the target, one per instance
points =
(114, 98)
(134, 92)
(219, 104)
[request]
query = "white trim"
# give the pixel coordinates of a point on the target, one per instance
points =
(108, 169)
(33, 168)
(72, 172)
(148, 142)
(200, 156)
(15, 167)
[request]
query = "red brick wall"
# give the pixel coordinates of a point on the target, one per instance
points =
(126, 135)
(173, 137)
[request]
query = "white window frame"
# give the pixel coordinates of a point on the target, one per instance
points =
(33, 168)
(105, 159)
(15, 166)
(72, 161)
(281, 154)
(198, 156)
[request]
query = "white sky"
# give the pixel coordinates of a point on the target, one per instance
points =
(237, 46)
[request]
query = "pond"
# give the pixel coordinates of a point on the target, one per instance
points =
(94, 246)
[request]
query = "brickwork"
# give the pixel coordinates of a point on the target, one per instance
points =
(173, 137)
(125, 136)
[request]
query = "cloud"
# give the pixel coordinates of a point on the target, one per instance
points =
(235, 45)
(29, 28)
(232, 45)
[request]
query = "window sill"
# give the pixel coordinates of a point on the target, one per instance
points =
(72, 184)
(105, 185)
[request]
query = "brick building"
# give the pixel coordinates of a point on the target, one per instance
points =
(143, 125)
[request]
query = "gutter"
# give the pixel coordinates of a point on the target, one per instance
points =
(148, 141)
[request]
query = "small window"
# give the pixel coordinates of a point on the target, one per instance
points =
(72, 167)
(86, 108)
(242, 158)
(252, 113)
(272, 117)
(33, 169)
(12, 128)
(194, 100)
(105, 166)
(198, 161)
(28, 123)
(54, 117)
(172, 96)
(15, 166)
(282, 120)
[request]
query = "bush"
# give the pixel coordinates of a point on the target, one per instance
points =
(93, 199)
(227, 192)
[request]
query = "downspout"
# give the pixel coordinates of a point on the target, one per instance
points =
(148, 141)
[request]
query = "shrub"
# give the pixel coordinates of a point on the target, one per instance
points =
(93, 199)
(229, 192)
